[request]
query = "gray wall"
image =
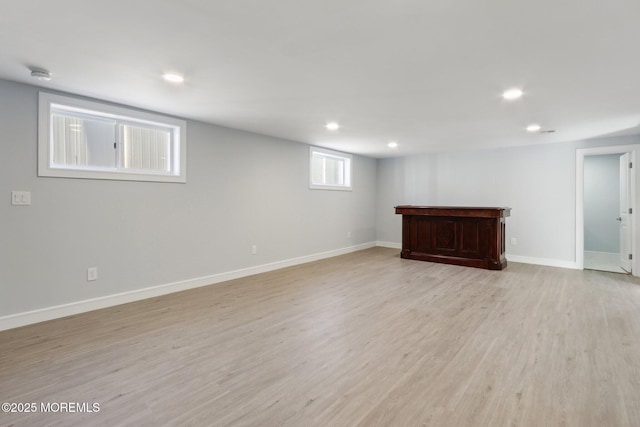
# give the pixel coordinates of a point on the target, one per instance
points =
(404, 180)
(243, 189)
(602, 203)
(537, 182)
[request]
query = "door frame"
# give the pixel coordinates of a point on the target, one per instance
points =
(581, 153)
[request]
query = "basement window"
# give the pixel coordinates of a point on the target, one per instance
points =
(86, 139)
(329, 170)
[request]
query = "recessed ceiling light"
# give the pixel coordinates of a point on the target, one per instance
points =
(41, 74)
(392, 144)
(533, 128)
(512, 94)
(173, 78)
(333, 126)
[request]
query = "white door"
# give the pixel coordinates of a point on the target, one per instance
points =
(625, 238)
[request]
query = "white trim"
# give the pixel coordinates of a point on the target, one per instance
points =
(391, 245)
(635, 233)
(579, 210)
(542, 261)
(513, 258)
(49, 313)
(178, 127)
(348, 169)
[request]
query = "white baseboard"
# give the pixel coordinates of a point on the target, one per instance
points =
(542, 261)
(49, 313)
(391, 245)
(514, 258)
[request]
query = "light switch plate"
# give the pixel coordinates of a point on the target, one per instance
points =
(20, 198)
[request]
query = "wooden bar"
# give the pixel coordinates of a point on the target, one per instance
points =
(468, 236)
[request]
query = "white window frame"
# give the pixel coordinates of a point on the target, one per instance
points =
(348, 172)
(46, 168)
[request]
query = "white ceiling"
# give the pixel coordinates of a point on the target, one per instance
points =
(427, 74)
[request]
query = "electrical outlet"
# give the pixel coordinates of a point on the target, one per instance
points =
(514, 241)
(254, 250)
(348, 234)
(92, 274)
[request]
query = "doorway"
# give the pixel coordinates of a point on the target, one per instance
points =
(605, 198)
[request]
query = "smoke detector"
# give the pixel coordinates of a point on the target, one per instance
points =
(41, 74)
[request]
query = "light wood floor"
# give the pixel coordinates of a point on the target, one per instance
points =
(365, 339)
